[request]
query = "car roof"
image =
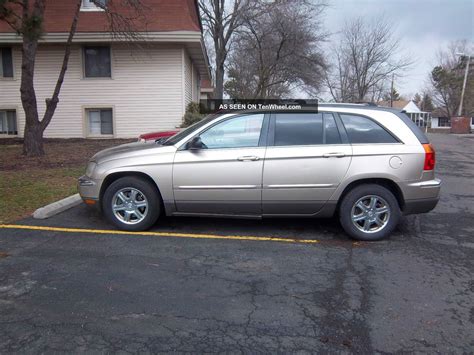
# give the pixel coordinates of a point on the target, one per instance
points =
(399, 113)
(366, 106)
(372, 107)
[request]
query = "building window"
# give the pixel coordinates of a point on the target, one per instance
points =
(8, 122)
(97, 62)
(100, 122)
(444, 122)
(93, 5)
(6, 63)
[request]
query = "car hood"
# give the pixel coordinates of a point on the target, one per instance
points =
(129, 150)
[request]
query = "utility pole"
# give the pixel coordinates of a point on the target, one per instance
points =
(464, 86)
(391, 93)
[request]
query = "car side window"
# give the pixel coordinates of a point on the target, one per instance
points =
(331, 132)
(298, 129)
(362, 129)
(238, 132)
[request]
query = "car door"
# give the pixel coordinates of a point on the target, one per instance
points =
(225, 177)
(307, 157)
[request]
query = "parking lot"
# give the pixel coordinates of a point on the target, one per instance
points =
(218, 285)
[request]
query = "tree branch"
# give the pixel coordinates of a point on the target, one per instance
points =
(52, 103)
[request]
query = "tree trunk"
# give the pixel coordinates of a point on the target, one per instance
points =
(219, 91)
(34, 128)
(33, 142)
(33, 137)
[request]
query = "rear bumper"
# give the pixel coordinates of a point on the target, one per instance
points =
(425, 196)
(420, 206)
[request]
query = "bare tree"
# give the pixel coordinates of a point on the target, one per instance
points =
(277, 51)
(26, 17)
(366, 55)
(446, 79)
(221, 18)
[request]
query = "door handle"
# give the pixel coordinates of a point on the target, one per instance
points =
(334, 155)
(248, 158)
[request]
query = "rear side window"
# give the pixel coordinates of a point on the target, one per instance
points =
(298, 129)
(331, 133)
(362, 129)
(306, 129)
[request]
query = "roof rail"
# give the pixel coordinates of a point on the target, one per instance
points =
(367, 103)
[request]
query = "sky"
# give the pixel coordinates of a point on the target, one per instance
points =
(423, 27)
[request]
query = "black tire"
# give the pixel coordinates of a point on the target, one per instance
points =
(151, 194)
(359, 192)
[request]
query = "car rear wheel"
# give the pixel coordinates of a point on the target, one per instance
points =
(131, 203)
(369, 212)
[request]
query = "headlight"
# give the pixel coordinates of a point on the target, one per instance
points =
(141, 140)
(90, 168)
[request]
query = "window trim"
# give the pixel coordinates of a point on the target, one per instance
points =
(94, 8)
(13, 77)
(271, 134)
(398, 140)
(11, 108)
(261, 141)
(83, 62)
(85, 121)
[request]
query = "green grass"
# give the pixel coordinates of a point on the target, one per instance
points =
(23, 191)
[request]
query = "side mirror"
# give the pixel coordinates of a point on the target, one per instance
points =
(195, 144)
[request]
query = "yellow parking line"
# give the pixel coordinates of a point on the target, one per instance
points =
(159, 234)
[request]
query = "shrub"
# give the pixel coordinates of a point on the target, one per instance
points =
(192, 115)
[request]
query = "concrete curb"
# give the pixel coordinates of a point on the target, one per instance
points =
(57, 207)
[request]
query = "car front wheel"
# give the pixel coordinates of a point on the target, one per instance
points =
(369, 212)
(131, 203)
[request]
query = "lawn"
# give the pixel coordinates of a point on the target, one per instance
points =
(29, 183)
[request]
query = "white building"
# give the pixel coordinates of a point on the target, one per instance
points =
(111, 89)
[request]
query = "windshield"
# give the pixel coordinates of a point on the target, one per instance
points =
(177, 137)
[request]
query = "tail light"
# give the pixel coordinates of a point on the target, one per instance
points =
(430, 158)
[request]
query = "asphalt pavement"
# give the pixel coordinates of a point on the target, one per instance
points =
(181, 290)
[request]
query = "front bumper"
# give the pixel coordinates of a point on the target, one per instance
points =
(89, 189)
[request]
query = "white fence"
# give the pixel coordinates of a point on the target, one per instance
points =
(422, 119)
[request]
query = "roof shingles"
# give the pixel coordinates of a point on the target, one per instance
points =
(161, 16)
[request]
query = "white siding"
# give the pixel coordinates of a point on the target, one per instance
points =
(195, 84)
(145, 90)
(188, 89)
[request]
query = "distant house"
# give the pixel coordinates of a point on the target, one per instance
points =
(111, 89)
(421, 118)
(440, 121)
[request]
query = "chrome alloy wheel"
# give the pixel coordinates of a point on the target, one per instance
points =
(370, 214)
(129, 205)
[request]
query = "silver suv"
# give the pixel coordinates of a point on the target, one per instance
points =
(369, 165)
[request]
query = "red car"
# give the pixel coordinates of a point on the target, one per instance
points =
(157, 137)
